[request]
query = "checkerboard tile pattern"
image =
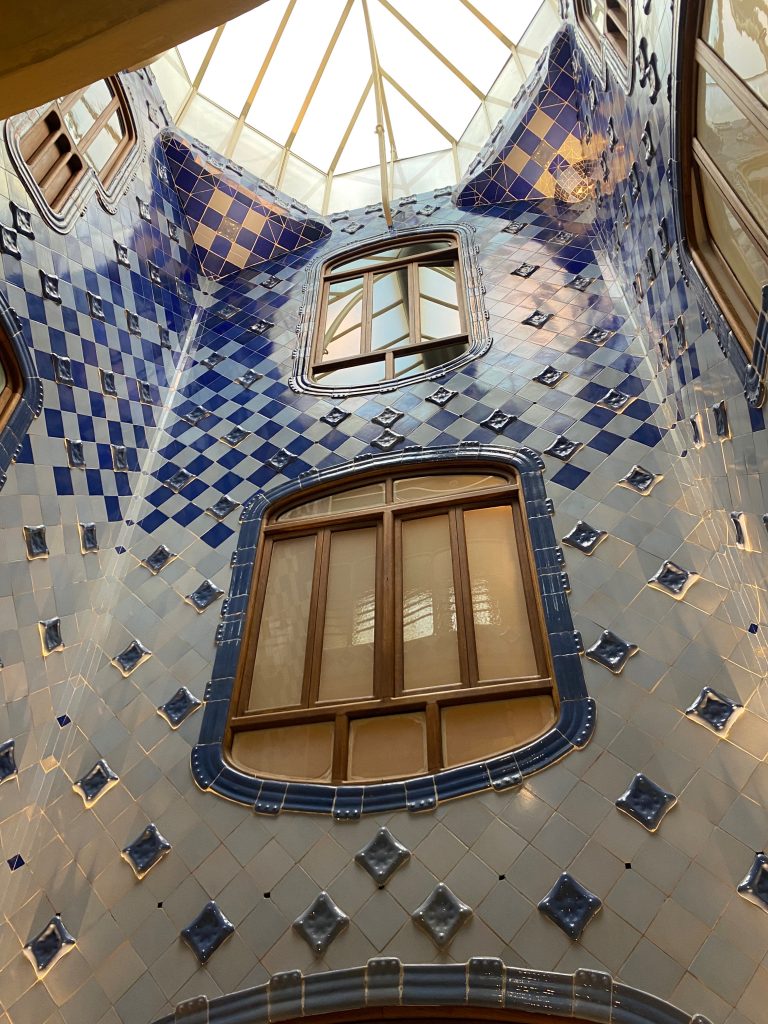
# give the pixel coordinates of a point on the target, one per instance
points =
(672, 919)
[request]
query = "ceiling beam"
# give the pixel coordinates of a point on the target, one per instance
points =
(193, 89)
(488, 24)
(417, 106)
(378, 93)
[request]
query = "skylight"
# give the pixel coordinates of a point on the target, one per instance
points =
(294, 90)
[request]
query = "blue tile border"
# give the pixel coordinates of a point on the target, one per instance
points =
(572, 730)
(30, 402)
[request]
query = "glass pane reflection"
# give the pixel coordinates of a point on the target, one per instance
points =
(343, 321)
(430, 358)
(390, 309)
(438, 303)
(737, 30)
(401, 252)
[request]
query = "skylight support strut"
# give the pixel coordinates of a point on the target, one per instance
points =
(378, 93)
(194, 87)
(342, 144)
(240, 123)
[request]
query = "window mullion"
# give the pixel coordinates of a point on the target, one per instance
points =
(391, 607)
(463, 599)
(340, 748)
(316, 622)
(414, 310)
(434, 737)
(98, 124)
(367, 314)
(530, 588)
(734, 201)
(733, 86)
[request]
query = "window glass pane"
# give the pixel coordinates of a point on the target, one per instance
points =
(3, 379)
(430, 637)
(286, 752)
(347, 665)
(735, 145)
(82, 114)
(278, 670)
(387, 747)
(420, 487)
(390, 309)
(101, 148)
(502, 631)
(371, 372)
(343, 319)
(745, 259)
(400, 252)
(347, 501)
(419, 362)
(738, 31)
(438, 302)
(594, 11)
(475, 731)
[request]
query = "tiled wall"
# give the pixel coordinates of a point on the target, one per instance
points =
(672, 921)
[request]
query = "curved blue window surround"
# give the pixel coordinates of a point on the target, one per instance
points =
(572, 730)
(30, 401)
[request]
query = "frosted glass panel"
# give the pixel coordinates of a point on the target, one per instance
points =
(387, 747)
(343, 320)
(369, 496)
(278, 670)
(430, 638)
(347, 663)
(735, 145)
(736, 30)
(745, 259)
(390, 309)
(438, 303)
(475, 731)
(419, 487)
(286, 752)
(502, 633)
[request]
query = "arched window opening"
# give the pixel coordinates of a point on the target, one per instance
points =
(11, 381)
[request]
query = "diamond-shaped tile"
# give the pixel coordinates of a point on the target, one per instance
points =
(221, 509)
(334, 416)
(146, 850)
(563, 449)
(441, 915)
(119, 458)
(280, 459)
(640, 480)
(580, 282)
(108, 385)
(382, 856)
(179, 707)
(713, 710)
(387, 439)
(615, 400)
(75, 454)
(248, 378)
(646, 802)
(89, 542)
(196, 415)
(179, 480)
(62, 370)
(673, 580)
(213, 360)
(584, 537)
(611, 651)
(498, 421)
(206, 933)
(35, 540)
(442, 396)
(387, 417)
(570, 906)
(525, 270)
(129, 659)
(755, 886)
(538, 318)
(320, 923)
(50, 635)
(158, 559)
(8, 767)
(550, 376)
(204, 596)
(235, 436)
(597, 335)
(49, 945)
(95, 783)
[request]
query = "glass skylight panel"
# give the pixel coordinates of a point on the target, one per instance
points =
(413, 133)
(239, 55)
(297, 58)
(512, 18)
(194, 50)
(362, 148)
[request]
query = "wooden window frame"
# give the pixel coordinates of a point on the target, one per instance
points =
(616, 26)
(334, 272)
(14, 386)
(49, 131)
(698, 57)
(389, 696)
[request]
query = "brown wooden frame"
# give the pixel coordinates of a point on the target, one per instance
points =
(615, 26)
(56, 162)
(389, 696)
(14, 386)
(698, 57)
(406, 1013)
(334, 272)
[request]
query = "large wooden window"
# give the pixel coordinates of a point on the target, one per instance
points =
(89, 128)
(390, 313)
(724, 128)
(395, 629)
(11, 383)
(608, 19)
